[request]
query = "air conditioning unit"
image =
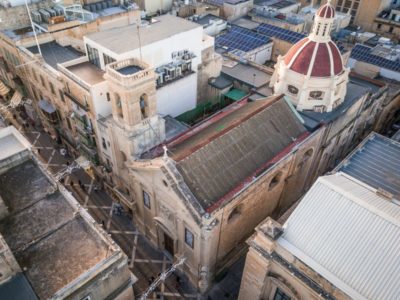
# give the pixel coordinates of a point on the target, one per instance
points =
(52, 12)
(166, 77)
(45, 15)
(36, 17)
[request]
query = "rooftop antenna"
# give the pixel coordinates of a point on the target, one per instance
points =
(140, 42)
(33, 27)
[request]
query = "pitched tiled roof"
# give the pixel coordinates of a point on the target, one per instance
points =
(219, 158)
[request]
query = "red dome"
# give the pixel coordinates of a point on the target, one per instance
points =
(326, 11)
(300, 58)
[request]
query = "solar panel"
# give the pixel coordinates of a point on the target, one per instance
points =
(239, 38)
(363, 53)
(280, 33)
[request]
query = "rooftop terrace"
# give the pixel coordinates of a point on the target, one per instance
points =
(87, 71)
(53, 53)
(129, 70)
(42, 224)
(124, 39)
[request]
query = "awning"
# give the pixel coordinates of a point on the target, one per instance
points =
(235, 94)
(4, 90)
(46, 106)
(16, 99)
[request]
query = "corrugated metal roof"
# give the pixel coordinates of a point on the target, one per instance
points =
(376, 162)
(223, 162)
(349, 235)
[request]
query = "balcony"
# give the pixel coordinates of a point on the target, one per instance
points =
(129, 72)
(76, 101)
(82, 126)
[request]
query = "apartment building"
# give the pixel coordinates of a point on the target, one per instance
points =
(51, 248)
(387, 23)
(34, 72)
(363, 12)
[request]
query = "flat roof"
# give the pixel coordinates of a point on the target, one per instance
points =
(376, 162)
(10, 145)
(44, 231)
(88, 72)
(221, 2)
(53, 53)
(205, 20)
(242, 39)
(245, 74)
(246, 23)
(125, 39)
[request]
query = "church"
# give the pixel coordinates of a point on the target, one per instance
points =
(201, 193)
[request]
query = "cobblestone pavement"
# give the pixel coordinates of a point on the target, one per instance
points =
(145, 261)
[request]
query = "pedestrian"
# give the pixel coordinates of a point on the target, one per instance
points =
(38, 151)
(67, 163)
(102, 223)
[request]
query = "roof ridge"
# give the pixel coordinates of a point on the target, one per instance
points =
(269, 102)
(359, 201)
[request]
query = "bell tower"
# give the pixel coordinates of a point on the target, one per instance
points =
(132, 86)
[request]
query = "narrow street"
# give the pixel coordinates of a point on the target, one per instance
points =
(145, 261)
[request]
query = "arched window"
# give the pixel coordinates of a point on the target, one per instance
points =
(307, 155)
(118, 105)
(275, 180)
(143, 105)
(325, 27)
(235, 213)
(123, 156)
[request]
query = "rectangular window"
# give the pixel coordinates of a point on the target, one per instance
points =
(93, 55)
(108, 97)
(146, 200)
(189, 238)
(34, 94)
(61, 95)
(108, 59)
(104, 143)
(42, 81)
(69, 123)
(52, 88)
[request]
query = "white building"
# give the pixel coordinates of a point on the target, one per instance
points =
(169, 44)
